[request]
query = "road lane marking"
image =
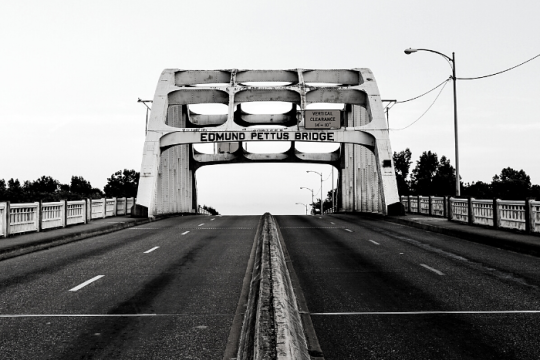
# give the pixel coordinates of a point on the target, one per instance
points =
(432, 269)
(185, 232)
(213, 219)
(221, 228)
(332, 223)
(102, 315)
(143, 228)
(152, 249)
(201, 224)
(480, 312)
(78, 287)
(374, 242)
(310, 227)
(348, 230)
(320, 217)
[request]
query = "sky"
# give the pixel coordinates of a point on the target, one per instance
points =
(71, 73)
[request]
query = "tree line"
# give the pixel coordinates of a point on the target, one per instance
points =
(123, 183)
(437, 177)
(434, 176)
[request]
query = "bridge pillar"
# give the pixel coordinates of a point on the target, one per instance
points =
(361, 190)
(367, 179)
(167, 183)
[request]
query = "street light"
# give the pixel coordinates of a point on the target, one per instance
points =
(452, 61)
(321, 188)
(301, 187)
(302, 204)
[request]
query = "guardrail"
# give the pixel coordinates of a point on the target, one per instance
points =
(37, 216)
(505, 214)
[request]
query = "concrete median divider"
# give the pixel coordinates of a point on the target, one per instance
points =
(272, 326)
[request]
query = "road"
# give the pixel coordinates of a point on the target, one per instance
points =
(170, 290)
(164, 290)
(379, 290)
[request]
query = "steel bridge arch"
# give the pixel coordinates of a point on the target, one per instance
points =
(366, 180)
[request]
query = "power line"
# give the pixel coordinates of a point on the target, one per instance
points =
(499, 72)
(427, 92)
(425, 112)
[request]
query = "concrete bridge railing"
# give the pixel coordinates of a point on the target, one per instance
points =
(33, 217)
(505, 214)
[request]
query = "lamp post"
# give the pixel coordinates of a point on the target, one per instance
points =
(301, 187)
(302, 204)
(452, 61)
(321, 188)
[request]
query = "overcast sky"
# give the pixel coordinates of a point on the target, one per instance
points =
(71, 73)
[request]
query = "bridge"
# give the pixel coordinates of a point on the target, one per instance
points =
(340, 286)
(366, 180)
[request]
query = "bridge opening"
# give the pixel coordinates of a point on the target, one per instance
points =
(253, 189)
(209, 109)
(266, 83)
(267, 107)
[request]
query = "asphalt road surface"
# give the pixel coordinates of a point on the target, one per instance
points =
(164, 290)
(379, 290)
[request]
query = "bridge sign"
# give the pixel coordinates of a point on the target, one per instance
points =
(322, 119)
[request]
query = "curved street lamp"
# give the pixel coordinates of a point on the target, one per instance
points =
(301, 187)
(302, 204)
(452, 61)
(321, 188)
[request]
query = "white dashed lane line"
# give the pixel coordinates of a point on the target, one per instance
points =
(212, 219)
(332, 223)
(201, 224)
(348, 230)
(185, 232)
(374, 242)
(431, 269)
(87, 282)
(152, 249)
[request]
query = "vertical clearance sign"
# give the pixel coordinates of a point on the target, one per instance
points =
(322, 119)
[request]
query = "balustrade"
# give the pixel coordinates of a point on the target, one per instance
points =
(19, 218)
(508, 214)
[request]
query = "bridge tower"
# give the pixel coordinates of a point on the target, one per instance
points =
(366, 181)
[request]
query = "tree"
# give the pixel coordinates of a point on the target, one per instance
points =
(511, 184)
(327, 204)
(15, 192)
(444, 181)
(478, 190)
(80, 186)
(45, 185)
(122, 184)
(210, 209)
(402, 164)
(432, 176)
(535, 192)
(3, 189)
(423, 173)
